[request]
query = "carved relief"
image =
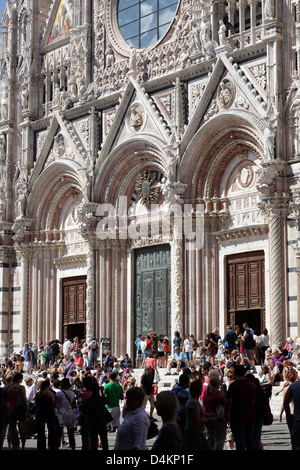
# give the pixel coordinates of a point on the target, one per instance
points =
(226, 93)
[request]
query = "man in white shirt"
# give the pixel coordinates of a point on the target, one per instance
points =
(67, 348)
(132, 433)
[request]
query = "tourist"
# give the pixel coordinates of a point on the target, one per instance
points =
(293, 419)
(170, 435)
(240, 410)
(178, 361)
(46, 403)
(177, 341)
(147, 380)
(139, 352)
(114, 393)
(188, 350)
(17, 409)
(182, 393)
(213, 401)
(194, 431)
(66, 404)
(93, 409)
(132, 433)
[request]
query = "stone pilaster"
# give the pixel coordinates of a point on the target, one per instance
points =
(177, 322)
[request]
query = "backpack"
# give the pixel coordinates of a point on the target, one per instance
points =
(181, 415)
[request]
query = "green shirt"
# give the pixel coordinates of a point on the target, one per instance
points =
(113, 392)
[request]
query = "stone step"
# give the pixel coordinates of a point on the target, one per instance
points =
(167, 382)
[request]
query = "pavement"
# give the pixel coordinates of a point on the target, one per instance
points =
(274, 437)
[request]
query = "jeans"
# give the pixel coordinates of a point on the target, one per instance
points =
(295, 435)
(243, 434)
(216, 434)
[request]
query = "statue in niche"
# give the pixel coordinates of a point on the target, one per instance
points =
(269, 9)
(132, 60)
(196, 37)
(4, 108)
(269, 142)
(173, 168)
(2, 146)
(59, 145)
(110, 58)
(222, 34)
(204, 32)
(226, 94)
(136, 120)
(24, 98)
(22, 191)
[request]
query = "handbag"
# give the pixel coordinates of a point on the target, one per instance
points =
(27, 428)
(154, 390)
(68, 415)
(21, 408)
(268, 418)
(220, 410)
(108, 416)
(153, 430)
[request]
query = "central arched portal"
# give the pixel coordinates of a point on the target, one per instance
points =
(152, 290)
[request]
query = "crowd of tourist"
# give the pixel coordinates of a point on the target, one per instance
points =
(218, 400)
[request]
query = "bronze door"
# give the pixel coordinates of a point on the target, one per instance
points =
(246, 290)
(152, 290)
(74, 308)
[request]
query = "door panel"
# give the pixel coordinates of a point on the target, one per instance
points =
(152, 290)
(74, 296)
(245, 288)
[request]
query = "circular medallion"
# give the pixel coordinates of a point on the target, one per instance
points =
(226, 93)
(245, 177)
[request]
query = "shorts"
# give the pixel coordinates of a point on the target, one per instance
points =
(151, 400)
(161, 353)
(115, 414)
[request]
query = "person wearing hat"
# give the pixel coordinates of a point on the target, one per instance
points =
(178, 361)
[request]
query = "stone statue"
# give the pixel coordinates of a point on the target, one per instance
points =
(136, 120)
(222, 34)
(2, 146)
(269, 9)
(269, 142)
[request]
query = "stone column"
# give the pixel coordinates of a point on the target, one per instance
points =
(22, 255)
(252, 4)
(5, 263)
(275, 207)
(177, 313)
(90, 290)
(241, 8)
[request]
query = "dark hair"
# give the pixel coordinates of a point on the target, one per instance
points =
(136, 392)
(184, 379)
(45, 383)
(196, 388)
(239, 371)
(17, 377)
(113, 376)
(65, 383)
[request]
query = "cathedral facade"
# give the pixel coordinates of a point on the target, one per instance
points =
(150, 169)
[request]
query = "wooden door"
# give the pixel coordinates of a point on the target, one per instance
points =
(246, 288)
(74, 296)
